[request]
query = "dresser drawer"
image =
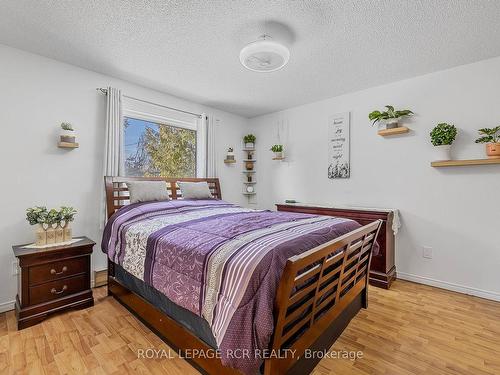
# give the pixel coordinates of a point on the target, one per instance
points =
(57, 289)
(57, 270)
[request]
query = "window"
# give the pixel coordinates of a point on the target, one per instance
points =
(154, 148)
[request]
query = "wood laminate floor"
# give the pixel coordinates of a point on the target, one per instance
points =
(410, 329)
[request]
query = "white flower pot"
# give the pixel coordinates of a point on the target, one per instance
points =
(442, 152)
(278, 155)
(68, 136)
(249, 145)
(391, 123)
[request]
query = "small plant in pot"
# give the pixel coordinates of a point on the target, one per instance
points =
(278, 151)
(249, 140)
(230, 154)
(68, 134)
(67, 215)
(38, 216)
(490, 136)
(442, 136)
(390, 117)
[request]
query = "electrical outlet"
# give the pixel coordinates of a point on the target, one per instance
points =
(15, 270)
(427, 252)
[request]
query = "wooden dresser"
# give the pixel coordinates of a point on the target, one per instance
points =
(383, 268)
(52, 279)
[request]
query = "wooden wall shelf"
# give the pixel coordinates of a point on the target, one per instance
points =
(67, 145)
(283, 158)
(229, 161)
(394, 131)
(460, 163)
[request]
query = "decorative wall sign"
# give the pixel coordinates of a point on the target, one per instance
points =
(338, 146)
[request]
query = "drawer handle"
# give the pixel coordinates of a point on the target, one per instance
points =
(54, 291)
(54, 272)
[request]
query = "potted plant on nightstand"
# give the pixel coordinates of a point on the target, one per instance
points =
(52, 219)
(38, 215)
(249, 140)
(67, 215)
(390, 117)
(278, 151)
(442, 136)
(491, 136)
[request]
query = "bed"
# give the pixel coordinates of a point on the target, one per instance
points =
(211, 278)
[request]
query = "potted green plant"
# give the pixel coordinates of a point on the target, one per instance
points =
(67, 215)
(68, 134)
(51, 220)
(278, 151)
(38, 216)
(490, 136)
(249, 140)
(230, 154)
(390, 117)
(442, 136)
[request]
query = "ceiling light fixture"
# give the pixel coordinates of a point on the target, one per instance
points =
(264, 55)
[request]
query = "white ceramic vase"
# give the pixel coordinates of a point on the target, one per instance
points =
(249, 145)
(391, 123)
(68, 136)
(442, 152)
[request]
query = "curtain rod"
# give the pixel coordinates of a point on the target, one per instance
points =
(105, 91)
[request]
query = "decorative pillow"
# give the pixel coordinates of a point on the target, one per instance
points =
(195, 190)
(145, 191)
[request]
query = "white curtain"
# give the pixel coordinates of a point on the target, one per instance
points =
(211, 147)
(201, 146)
(114, 164)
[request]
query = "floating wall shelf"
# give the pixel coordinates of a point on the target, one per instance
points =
(460, 163)
(249, 149)
(283, 158)
(67, 145)
(393, 131)
(229, 161)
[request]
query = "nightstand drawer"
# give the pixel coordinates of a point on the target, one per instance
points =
(57, 289)
(57, 270)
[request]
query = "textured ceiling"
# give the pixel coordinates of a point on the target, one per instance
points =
(190, 48)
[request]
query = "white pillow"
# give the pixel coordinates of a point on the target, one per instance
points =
(145, 191)
(195, 190)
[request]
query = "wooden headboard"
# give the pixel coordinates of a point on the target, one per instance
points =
(117, 194)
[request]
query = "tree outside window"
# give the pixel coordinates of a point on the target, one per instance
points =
(154, 149)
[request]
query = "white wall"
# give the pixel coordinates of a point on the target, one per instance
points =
(36, 95)
(453, 210)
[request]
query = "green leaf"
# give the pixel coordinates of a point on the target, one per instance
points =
(373, 115)
(485, 139)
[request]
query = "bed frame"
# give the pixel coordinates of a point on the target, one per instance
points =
(320, 291)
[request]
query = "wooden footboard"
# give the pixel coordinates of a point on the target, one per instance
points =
(315, 288)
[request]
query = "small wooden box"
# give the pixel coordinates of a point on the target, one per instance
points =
(52, 279)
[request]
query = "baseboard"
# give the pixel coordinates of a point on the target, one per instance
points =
(7, 306)
(449, 286)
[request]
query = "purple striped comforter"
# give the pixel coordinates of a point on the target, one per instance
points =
(218, 260)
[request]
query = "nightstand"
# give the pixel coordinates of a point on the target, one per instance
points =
(52, 279)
